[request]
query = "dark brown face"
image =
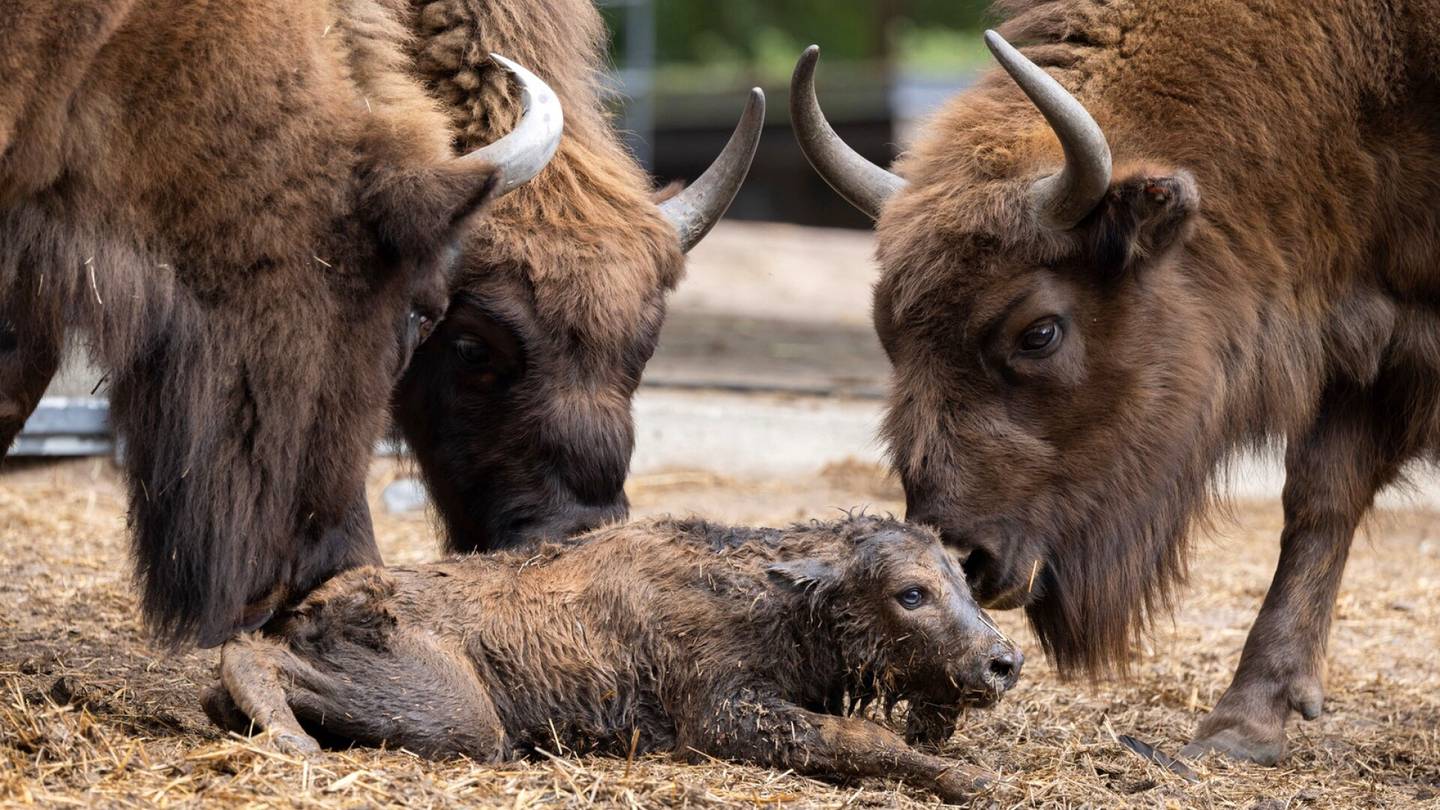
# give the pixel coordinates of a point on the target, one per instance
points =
(1042, 411)
(935, 642)
(974, 400)
(522, 432)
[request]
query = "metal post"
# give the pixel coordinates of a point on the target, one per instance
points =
(635, 71)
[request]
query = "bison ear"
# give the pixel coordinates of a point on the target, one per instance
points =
(417, 212)
(806, 572)
(1143, 215)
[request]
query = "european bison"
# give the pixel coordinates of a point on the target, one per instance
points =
(518, 408)
(248, 210)
(679, 636)
(1079, 343)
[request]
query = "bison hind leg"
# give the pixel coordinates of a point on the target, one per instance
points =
(254, 673)
(412, 693)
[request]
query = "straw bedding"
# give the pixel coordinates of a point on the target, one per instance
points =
(92, 714)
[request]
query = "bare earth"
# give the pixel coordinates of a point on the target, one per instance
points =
(92, 714)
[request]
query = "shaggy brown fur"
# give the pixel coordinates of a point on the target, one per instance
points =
(518, 409)
(672, 636)
(246, 210)
(1263, 269)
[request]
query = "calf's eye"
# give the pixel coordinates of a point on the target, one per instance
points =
(911, 597)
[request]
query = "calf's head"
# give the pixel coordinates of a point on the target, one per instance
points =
(906, 621)
(1050, 412)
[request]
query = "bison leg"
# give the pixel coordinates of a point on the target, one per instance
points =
(411, 694)
(1332, 476)
(28, 361)
(778, 734)
(254, 672)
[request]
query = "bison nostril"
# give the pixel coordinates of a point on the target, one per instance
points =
(1004, 668)
(976, 563)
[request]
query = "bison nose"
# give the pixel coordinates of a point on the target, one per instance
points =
(571, 521)
(1002, 671)
(585, 519)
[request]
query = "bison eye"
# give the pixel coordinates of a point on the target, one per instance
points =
(911, 597)
(1041, 339)
(473, 352)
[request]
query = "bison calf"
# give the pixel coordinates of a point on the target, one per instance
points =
(680, 636)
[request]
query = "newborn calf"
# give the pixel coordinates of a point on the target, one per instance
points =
(746, 644)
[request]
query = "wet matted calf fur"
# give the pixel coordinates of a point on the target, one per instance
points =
(757, 645)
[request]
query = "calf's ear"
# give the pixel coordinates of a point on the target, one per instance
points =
(806, 572)
(1145, 213)
(416, 212)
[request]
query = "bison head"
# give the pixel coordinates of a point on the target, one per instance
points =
(518, 409)
(1052, 392)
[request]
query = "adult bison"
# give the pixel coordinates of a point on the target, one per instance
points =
(1080, 342)
(518, 408)
(249, 211)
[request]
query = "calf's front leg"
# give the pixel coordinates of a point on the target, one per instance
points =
(779, 734)
(1331, 477)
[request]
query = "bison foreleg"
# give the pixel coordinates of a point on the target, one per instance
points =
(781, 735)
(1332, 476)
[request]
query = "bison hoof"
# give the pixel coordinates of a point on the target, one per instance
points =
(1244, 740)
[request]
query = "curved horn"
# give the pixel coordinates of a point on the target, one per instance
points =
(695, 210)
(1064, 198)
(521, 155)
(862, 183)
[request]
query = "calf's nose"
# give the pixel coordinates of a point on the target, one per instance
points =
(1002, 671)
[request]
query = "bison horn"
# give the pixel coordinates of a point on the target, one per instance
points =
(520, 155)
(1064, 198)
(695, 210)
(862, 183)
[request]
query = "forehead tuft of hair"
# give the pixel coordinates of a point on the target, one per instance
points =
(585, 234)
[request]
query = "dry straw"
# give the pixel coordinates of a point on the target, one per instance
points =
(91, 715)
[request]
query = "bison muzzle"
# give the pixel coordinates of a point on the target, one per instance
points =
(756, 645)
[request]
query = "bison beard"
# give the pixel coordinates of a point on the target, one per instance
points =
(1073, 368)
(248, 210)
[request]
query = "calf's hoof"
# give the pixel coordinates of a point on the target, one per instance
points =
(298, 745)
(960, 785)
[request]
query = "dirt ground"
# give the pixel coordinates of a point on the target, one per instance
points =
(92, 714)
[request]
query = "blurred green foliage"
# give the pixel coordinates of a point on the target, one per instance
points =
(763, 37)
